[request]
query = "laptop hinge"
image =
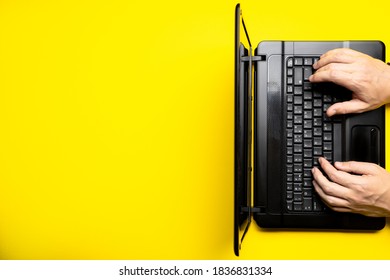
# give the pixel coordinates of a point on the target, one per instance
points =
(258, 209)
(253, 58)
(255, 209)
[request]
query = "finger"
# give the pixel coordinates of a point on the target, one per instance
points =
(328, 187)
(342, 55)
(340, 177)
(348, 68)
(336, 76)
(347, 107)
(363, 168)
(329, 200)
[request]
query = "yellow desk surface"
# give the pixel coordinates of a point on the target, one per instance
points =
(116, 121)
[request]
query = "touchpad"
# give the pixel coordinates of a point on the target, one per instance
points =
(365, 144)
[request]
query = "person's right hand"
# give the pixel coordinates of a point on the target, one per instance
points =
(366, 77)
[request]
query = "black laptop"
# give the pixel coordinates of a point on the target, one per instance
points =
(291, 130)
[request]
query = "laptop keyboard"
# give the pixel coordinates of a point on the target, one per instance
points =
(309, 134)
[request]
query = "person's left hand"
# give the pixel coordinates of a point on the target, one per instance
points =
(367, 192)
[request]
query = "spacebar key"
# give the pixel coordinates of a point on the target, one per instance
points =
(337, 142)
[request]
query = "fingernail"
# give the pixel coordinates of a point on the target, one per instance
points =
(310, 77)
(320, 160)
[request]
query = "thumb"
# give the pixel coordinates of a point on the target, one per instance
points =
(347, 107)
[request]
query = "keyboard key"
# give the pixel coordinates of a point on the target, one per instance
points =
(298, 129)
(297, 91)
(307, 163)
(317, 112)
(317, 131)
(307, 133)
(298, 158)
(298, 61)
(307, 192)
(297, 149)
(317, 121)
(297, 187)
(298, 100)
(290, 71)
(298, 139)
(307, 86)
(307, 115)
(317, 206)
(315, 161)
(317, 151)
(308, 124)
(327, 98)
(307, 183)
(307, 105)
(298, 177)
(317, 103)
(328, 136)
(317, 95)
(289, 195)
(327, 127)
(326, 106)
(298, 119)
(307, 204)
(307, 95)
(308, 61)
(317, 141)
(328, 156)
(307, 173)
(327, 146)
(297, 206)
(307, 153)
(298, 78)
(290, 62)
(289, 205)
(307, 144)
(307, 71)
(298, 197)
(297, 168)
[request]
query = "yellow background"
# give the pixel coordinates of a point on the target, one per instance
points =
(116, 124)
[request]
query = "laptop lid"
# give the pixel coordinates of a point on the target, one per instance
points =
(242, 137)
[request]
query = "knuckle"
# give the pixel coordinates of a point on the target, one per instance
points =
(333, 73)
(331, 201)
(328, 189)
(334, 176)
(339, 54)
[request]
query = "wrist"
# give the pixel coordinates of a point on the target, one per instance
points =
(387, 82)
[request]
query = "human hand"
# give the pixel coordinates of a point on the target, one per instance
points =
(366, 77)
(368, 194)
